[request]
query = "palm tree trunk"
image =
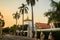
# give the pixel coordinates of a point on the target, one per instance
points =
(22, 19)
(22, 23)
(16, 21)
(32, 18)
(32, 21)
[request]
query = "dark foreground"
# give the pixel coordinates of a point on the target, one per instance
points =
(15, 38)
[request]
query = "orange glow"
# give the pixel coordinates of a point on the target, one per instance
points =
(8, 7)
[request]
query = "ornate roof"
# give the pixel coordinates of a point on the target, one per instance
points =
(27, 19)
(42, 25)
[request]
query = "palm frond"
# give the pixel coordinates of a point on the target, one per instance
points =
(20, 7)
(53, 3)
(28, 2)
(26, 11)
(23, 9)
(16, 15)
(37, 0)
(20, 10)
(47, 13)
(32, 2)
(50, 20)
(26, 8)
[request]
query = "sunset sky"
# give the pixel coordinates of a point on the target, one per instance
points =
(8, 7)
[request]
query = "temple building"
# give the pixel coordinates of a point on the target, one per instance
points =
(28, 22)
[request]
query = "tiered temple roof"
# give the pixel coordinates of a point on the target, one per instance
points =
(42, 26)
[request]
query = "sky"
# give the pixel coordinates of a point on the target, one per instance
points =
(8, 7)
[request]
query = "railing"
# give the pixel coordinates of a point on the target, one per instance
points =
(52, 29)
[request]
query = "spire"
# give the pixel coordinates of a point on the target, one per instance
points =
(27, 19)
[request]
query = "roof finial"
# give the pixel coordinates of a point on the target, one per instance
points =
(27, 17)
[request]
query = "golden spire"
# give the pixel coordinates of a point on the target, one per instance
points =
(27, 19)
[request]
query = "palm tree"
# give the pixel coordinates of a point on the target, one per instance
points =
(56, 5)
(32, 3)
(53, 15)
(16, 16)
(23, 10)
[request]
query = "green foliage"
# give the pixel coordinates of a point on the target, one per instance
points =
(14, 28)
(54, 14)
(5, 30)
(23, 27)
(32, 2)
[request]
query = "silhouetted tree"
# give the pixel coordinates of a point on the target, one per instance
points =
(32, 3)
(16, 16)
(23, 10)
(13, 28)
(54, 14)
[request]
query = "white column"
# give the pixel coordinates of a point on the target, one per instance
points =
(29, 34)
(42, 36)
(52, 25)
(50, 37)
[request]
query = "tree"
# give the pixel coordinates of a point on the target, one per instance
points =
(56, 6)
(23, 10)
(5, 30)
(16, 16)
(32, 3)
(13, 28)
(53, 15)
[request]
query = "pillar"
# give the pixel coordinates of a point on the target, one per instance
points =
(50, 37)
(42, 36)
